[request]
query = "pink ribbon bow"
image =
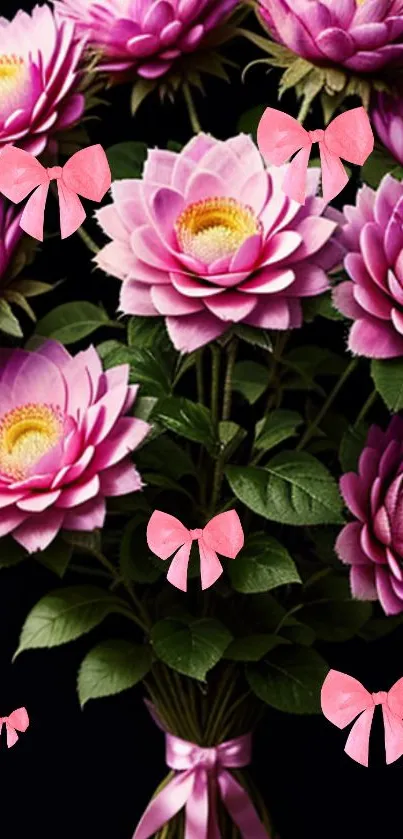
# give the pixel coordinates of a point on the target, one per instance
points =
(87, 173)
(165, 534)
(343, 698)
(200, 774)
(17, 721)
(348, 136)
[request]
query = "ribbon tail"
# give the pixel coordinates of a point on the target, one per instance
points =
(294, 184)
(357, 746)
(197, 808)
(165, 805)
(393, 735)
(12, 735)
(210, 566)
(72, 213)
(334, 175)
(178, 570)
(240, 807)
(33, 217)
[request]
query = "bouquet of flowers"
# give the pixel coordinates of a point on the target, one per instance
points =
(249, 376)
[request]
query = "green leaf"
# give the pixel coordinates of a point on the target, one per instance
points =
(86, 542)
(262, 565)
(187, 419)
(31, 288)
(249, 121)
(56, 557)
(331, 612)
(255, 337)
(136, 561)
(11, 553)
(8, 322)
(351, 446)
(275, 428)
(192, 649)
(294, 488)
(252, 647)
(145, 333)
(380, 163)
(71, 322)
(230, 435)
(388, 380)
(126, 160)
(250, 379)
(379, 627)
(112, 667)
(322, 306)
(143, 408)
(164, 450)
(64, 615)
(297, 633)
(311, 361)
(149, 368)
(290, 680)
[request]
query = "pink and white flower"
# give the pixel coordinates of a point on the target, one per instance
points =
(39, 95)
(65, 442)
(207, 239)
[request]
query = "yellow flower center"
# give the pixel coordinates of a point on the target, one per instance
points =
(13, 73)
(215, 227)
(26, 434)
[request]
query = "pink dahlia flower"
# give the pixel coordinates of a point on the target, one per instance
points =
(373, 543)
(143, 37)
(208, 239)
(64, 442)
(362, 35)
(373, 298)
(38, 79)
(387, 119)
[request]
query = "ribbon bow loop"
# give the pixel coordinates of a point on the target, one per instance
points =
(18, 720)
(87, 173)
(348, 136)
(344, 698)
(223, 534)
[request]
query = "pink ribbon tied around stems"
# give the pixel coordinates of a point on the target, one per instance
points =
(166, 534)
(348, 136)
(87, 173)
(201, 773)
(343, 698)
(17, 721)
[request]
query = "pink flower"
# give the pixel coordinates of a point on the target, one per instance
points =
(38, 79)
(361, 35)
(10, 234)
(64, 442)
(144, 37)
(373, 297)
(208, 239)
(373, 543)
(387, 119)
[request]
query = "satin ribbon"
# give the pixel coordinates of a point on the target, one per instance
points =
(348, 136)
(343, 698)
(17, 721)
(223, 534)
(201, 774)
(87, 173)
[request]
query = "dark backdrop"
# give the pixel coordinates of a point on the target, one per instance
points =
(88, 774)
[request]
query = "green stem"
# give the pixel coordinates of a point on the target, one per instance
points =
(142, 619)
(194, 119)
(215, 381)
(199, 377)
(231, 358)
(366, 407)
(91, 245)
(329, 402)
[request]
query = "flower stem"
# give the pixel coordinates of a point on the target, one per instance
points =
(199, 376)
(194, 119)
(91, 245)
(366, 407)
(329, 402)
(231, 358)
(215, 381)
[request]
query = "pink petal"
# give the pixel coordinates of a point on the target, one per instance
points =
(87, 516)
(39, 502)
(354, 494)
(391, 604)
(79, 494)
(280, 246)
(231, 306)
(269, 281)
(38, 531)
(191, 332)
(348, 545)
(362, 582)
(120, 480)
(168, 301)
(375, 339)
(314, 232)
(136, 299)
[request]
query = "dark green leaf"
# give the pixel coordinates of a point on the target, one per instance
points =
(72, 321)
(249, 120)
(275, 428)
(192, 649)
(136, 561)
(8, 322)
(255, 337)
(388, 379)
(321, 305)
(351, 446)
(252, 647)
(146, 333)
(164, 453)
(126, 159)
(379, 627)
(57, 556)
(250, 379)
(380, 163)
(11, 553)
(187, 419)
(111, 667)
(149, 368)
(290, 680)
(331, 612)
(262, 565)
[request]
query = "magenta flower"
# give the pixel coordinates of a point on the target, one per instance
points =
(387, 119)
(373, 543)
(373, 298)
(38, 79)
(208, 239)
(10, 234)
(361, 35)
(64, 442)
(143, 37)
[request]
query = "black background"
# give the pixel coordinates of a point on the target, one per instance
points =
(88, 774)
